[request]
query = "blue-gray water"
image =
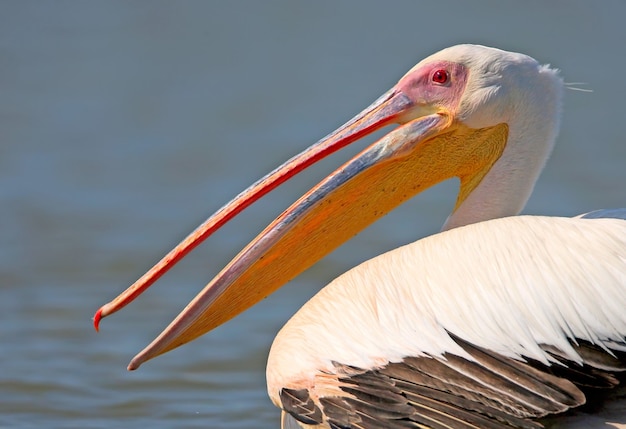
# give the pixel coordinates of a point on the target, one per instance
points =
(124, 124)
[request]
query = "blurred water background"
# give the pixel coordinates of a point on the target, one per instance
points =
(123, 124)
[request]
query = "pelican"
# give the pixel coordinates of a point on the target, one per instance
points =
(498, 321)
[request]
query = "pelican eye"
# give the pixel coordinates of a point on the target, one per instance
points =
(440, 76)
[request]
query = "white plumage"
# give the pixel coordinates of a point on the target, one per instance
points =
(508, 285)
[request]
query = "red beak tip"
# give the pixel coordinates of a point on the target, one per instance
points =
(133, 365)
(96, 319)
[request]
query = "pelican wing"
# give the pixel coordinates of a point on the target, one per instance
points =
(487, 390)
(418, 338)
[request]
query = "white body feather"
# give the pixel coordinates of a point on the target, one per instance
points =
(507, 285)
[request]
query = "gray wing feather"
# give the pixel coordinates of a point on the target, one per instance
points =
(490, 391)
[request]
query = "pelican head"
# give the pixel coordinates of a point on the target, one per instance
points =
(486, 116)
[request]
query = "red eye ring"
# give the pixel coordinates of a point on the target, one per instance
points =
(440, 76)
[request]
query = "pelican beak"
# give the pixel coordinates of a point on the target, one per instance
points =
(411, 158)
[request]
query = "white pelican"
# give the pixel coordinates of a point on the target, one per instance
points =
(497, 322)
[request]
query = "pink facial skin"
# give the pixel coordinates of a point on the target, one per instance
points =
(437, 83)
